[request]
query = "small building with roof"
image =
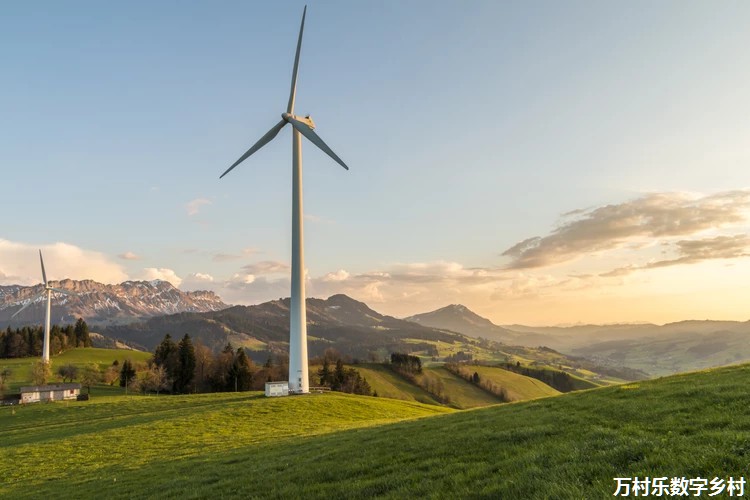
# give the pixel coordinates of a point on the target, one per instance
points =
(52, 392)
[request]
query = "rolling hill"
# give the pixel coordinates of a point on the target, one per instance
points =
(652, 349)
(335, 446)
(347, 325)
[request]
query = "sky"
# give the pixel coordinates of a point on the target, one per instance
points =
(539, 162)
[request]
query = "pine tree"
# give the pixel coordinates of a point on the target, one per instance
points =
(244, 370)
(325, 373)
(166, 356)
(339, 376)
(186, 365)
(81, 332)
(127, 373)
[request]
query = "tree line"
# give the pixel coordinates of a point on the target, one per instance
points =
(27, 341)
(341, 379)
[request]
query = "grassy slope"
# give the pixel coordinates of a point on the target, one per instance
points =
(462, 394)
(133, 444)
(569, 446)
(389, 385)
(519, 387)
(21, 367)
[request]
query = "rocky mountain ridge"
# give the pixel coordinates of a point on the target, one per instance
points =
(103, 304)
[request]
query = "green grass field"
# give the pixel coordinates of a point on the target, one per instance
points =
(21, 367)
(389, 385)
(461, 393)
(342, 446)
(519, 387)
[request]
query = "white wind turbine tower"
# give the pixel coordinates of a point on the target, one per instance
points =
(298, 376)
(48, 292)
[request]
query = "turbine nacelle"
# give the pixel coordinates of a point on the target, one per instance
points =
(290, 118)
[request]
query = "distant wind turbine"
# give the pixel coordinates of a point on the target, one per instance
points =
(298, 376)
(48, 292)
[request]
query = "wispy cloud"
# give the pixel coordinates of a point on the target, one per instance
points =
(266, 267)
(694, 251)
(129, 256)
(228, 257)
(319, 219)
(194, 206)
(658, 216)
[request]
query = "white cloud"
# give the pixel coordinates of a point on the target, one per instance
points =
(197, 281)
(19, 263)
(654, 217)
(340, 275)
(194, 206)
(242, 279)
(266, 267)
(129, 256)
(164, 274)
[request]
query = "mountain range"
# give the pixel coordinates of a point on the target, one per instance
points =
(140, 313)
(655, 349)
(101, 304)
(350, 326)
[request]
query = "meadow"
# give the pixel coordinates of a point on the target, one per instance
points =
(343, 446)
(21, 367)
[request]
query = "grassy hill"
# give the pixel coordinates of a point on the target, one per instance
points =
(21, 367)
(334, 446)
(389, 385)
(519, 387)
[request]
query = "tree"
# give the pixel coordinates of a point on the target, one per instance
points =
(167, 355)
(68, 372)
(243, 369)
(5, 374)
(111, 374)
(186, 365)
(339, 376)
(127, 374)
(475, 378)
(325, 373)
(154, 379)
(204, 359)
(81, 333)
(91, 375)
(40, 372)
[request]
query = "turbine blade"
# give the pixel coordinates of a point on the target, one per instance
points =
(306, 130)
(27, 304)
(44, 274)
(293, 91)
(261, 142)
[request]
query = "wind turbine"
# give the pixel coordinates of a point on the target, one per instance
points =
(298, 376)
(48, 292)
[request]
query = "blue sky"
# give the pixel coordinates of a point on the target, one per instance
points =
(468, 126)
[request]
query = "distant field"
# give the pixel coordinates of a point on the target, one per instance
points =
(519, 387)
(340, 446)
(21, 367)
(389, 385)
(461, 393)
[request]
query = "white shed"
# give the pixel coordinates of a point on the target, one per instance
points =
(56, 392)
(277, 389)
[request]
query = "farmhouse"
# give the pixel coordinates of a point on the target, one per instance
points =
(57, 392)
